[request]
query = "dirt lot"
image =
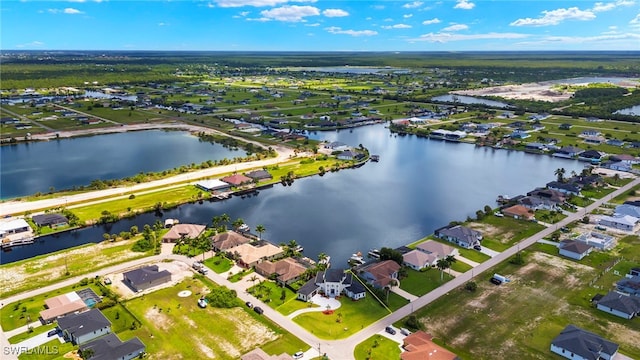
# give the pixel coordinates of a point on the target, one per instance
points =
(178, 270)
(531, 91)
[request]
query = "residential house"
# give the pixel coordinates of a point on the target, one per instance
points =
(285, 271)
(629, 285)
(249, 255)
(615, 142)
(565, 126)
(418, 260)
(519, 134)
(624, 222)
(519, 212)
(565, 188)
(337, 146)
(347, 155)
(213, 185)
(590, 132)
(259, 175)
(617, 166)
(574, 249)
(630, 159)
(110, 347)
(228, 240)
(85, 326)
(50, 219)
(460, 235)
(14, 226)
(592, 156)
(436, 248)
(420, 346)
(555, 197)
(380, 274)
(624, 306)
(146, 277)
(62, 305)
(567, 152)
(587, 181)
(536, 203)
(237, 180)
(183, 231)
(577, 344)
(534, 146)
(597, 240)
(626, 209)
(332, 283)
(259, 354)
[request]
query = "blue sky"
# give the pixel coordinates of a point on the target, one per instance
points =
(317, 25)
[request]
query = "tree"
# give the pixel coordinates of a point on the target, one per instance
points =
(237, 223)
(471, 286)
(389, 287)
(559, 173)
(487, 209)
(224, 218)
(450, 261)
(391, 254)
(253, 279)
(215, 221)
(260, 229)
(442, 264)
(203, 243)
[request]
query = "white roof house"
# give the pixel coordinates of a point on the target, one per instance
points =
(14, 226)
(212, 185)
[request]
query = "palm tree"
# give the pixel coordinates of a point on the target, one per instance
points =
(392, 283)
(450, 260)
(442, 264)
(224, 218)
(253, 279)
(237, 223)
(322, 258)
(203, 243)
(260, 229)
(215, 221)
(560, 174)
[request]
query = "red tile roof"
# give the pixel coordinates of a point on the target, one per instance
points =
(237, 179)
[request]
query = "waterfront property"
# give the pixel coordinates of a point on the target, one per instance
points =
(427, 254)
(624, 306)
(259, 175)
(146, 277)
(62, 305)
(519, 212)
(576, 343)
(285, 271)
(85, 326)
(332, 283)
(249, 255)
(50, 219)
(237, 180)
(213, 185)
(183, 231)
(110, 347)
(380, 274)
(460, 235)
(228, 240)
(14, 226)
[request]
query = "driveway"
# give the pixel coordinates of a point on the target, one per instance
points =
(485, 250)
(36, 341)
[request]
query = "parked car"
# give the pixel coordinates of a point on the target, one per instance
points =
(405, 332)
(298, 355)
(203, 270)
(495, 281)
(202, 303)
(477, 247)
(249, 304)
(107, 281)
(258, 310)
(498, 214)
(53, 332)
(390, 330)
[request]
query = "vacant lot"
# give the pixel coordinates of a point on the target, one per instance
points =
(500, 233)
(522, 317)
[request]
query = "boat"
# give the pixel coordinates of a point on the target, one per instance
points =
(244, 228)
(8, 243)
(375, 158)
(326, 261)
(374, 253)
(356, 259)
(298, 248)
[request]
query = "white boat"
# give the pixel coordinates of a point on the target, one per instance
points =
(374, 253)
(244, 228)
(357, 259)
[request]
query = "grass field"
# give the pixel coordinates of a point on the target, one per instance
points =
(523, 316)
(377, 347)
(219, 263)
(236, 330)
(271, 294)
(421, 282)
(500, 233)
(52, 350)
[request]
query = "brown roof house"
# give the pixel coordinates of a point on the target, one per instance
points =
(179, 231)
(519, 212)
(228, 240)
(380, 274)
(573, 249)
(286, 270)
(427, 254)
(419, 346)
(259, 354)
(62, 305)
(237, 179)
(249, 255)
(146, 277)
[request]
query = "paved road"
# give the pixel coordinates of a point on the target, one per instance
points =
(335, 349)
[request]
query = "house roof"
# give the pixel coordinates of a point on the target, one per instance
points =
(382, 271)
(83, 323)
(591, 154)
(419, 258)
(624, 219)
(627, 209)
(550, 194)
(624, 157)
(518, 210)
(259, 174)
(570, 150)
(630, 283)
(190, 231)
(462, 233)
(419, 346)
(110, 347)
(250, 254)
(355, 286)
(436, 248)
(62, 305)
(563, 186)
(212, 184)
(259, 354)
(228, 240)
(236, 179)
(145, 274)
(13, 224)
(583, 343)
(309, 287)
(331, 275)
(623, 303)
(573, 246)
(49, 219)
(286, 269)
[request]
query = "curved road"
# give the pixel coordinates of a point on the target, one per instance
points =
(337, 349)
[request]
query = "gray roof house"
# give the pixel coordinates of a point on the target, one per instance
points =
(460, 235)
(624, 222)
(85, 326)
(50, 219)
(565, 188)
(110, 347)
(260, 175)
(332, 282)
(624, 306)
(629, 285)
(627, 209)
(575, 343)
(146, 277)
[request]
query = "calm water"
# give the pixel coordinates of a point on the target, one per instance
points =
(31, 167)
(634, 110)
(463, 99)
(418, 186)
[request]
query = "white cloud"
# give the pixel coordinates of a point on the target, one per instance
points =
(555, 17)
(378, 7)
(70, 11)
(388, 20)
(600, 6)
(635, 22)
(613, 27)
(335, 13)
(242, 14)
(290, 13)
(162, 24)
(312, 25)
(412, 5)
(260, 19)
(407, 16)
(338, 30)
(397, 26)
(606, 39)
(255, 3)
(33, 44)
(464, 5)
(455, 27)
(432, 21)
(448, 37)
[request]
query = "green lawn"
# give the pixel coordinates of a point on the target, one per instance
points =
(377, 347)
(292, 305)
(239, 275)
(351, 317)
(219, 263)
(421, 282)
(461, 267)
(163, 312)
(598, 192)
(271, 294)
(36, 331)
(50, 350)
(474, 255)
(580, 201)
(626, 195)
(500, 233)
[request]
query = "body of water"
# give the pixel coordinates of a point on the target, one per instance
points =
(418, 186)
(463, 99)
(28, 168)
(596, 79)
(634, 110)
